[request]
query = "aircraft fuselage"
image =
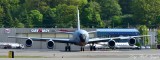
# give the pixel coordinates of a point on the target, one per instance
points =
(81, 37)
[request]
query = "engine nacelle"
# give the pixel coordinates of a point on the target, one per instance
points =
(50, 44)
(29, 42)
(111, 43)
(132, 41)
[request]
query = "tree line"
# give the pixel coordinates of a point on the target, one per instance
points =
(93, 13)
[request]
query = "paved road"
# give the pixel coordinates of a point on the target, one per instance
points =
(45, 54)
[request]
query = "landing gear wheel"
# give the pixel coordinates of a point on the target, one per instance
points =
(94, 48)
(90, 48)
(113, 48)
(82, 48)
(67, 48)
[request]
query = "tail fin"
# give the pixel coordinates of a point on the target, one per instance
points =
(78, 24)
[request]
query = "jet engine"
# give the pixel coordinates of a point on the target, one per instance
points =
(29, 42)
(111, 43)
(132, 41)
(50, 44)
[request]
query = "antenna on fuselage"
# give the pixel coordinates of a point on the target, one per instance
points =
(78, 24)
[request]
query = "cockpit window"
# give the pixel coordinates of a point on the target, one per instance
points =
(82, 37)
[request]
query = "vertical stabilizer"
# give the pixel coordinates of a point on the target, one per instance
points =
(78, 24)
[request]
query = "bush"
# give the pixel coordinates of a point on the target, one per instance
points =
(138, 44)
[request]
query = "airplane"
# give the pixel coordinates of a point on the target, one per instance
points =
(80, 38)
(125, 45)
(122, 43)
(118, 45)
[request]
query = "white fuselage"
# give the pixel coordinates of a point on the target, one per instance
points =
(124, 45)
(117, 45)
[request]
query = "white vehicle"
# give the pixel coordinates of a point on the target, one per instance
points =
(80, 38)
(6, 45)
(142, 47)
(148, 47)
(16, 46)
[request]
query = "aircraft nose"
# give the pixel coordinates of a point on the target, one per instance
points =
(82, 37)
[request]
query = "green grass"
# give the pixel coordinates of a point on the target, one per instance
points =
(24, 57)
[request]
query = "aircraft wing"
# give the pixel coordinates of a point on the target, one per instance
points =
(62, 40)
(95, 40)
(128, 37)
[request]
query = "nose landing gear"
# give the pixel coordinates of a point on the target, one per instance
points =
(68, 47)
(82, 48)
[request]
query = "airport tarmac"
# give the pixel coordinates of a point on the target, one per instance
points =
(46, 54)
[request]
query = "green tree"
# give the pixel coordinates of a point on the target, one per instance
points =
(126, 6)
(14, 7)
(158, 36)
(109, 8)
(116, 21)
(18, 24)
(146, 11)
(49, 18)
(138, 44)
(1, 16)
(144, 31)
(76, 2)
(36, 17)
(66, 15)
(8, 20)
(127, 21)
(25, 19)
(90, 15)
(158, 22)
(54, 3)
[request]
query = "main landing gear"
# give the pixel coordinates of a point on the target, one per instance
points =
(92, 47)
(68, 47)
(82, 48)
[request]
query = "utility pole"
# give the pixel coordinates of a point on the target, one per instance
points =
(113, 25)
(128, 25)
